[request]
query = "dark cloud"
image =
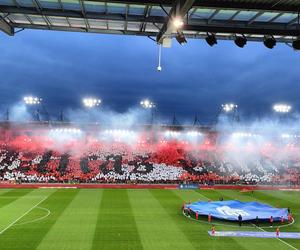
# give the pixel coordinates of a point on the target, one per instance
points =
(63, 67)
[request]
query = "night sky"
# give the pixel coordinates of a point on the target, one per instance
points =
(63, 67)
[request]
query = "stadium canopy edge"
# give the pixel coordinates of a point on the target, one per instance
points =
(225, 19)
(273, 5)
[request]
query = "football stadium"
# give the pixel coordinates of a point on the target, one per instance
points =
(90, 177)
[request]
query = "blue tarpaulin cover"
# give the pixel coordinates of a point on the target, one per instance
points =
(231, 209)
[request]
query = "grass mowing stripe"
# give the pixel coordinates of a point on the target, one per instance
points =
(213, 195)
(187, 195)
(12, 195)
(19, 218)
(279, 198)
(30, 235)
(3, 191)
(195, 232)
(156, 228)
(283, 200)
(76, 224)
(116, 227)
(16, 209)
(280, 240)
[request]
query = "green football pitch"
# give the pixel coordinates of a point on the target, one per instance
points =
(126, 219)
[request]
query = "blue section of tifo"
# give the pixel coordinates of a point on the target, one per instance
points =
(255, 234)
(231, 209)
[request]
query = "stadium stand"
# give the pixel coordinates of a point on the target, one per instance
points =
(120, 163)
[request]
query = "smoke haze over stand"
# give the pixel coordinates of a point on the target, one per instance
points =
(244, 142)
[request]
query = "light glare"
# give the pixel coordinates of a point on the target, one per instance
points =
(147, 104)
(32, 100)
(178, 23)
(91, 102)
(282, 108)
(228, 107)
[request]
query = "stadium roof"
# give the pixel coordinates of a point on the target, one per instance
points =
(224, 18)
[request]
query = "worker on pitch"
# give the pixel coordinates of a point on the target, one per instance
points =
(271, 221)
(213, 230)
(240, 218)
(257, 221)
(209, 218)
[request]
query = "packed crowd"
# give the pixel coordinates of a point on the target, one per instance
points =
(119, 163)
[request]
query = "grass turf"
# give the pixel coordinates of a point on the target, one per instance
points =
(125, 219)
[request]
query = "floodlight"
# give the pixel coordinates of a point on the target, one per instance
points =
(66, 130)
(91, 102)
(193, 133)
(32, 100)
(240, 41)
(296, 44)
(228, 107)
(211, 40)
(284, 136)
(269, 42)
(178, 22)
(282, 108)
(244, 134)
(147, 104)
(171, 133)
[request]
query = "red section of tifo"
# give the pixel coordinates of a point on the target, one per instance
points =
(66, 153)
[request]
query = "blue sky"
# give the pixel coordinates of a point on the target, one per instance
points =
(63, 67)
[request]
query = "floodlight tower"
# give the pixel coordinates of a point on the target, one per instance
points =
(91, 104)
(148, 104)
(231, 110)
(33, 101)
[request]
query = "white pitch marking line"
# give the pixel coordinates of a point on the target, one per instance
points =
(203, 196)
(279, 239)
(11, 224)
(35, 220)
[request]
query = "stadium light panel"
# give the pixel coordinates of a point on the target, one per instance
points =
(147, 104)
(170, 133)
(244, 135)
(269, 42)
(66, 130)
(193, 133)
(284, 136)
(228, 107)
(240, 41)
(32, 100)
(282, 108)
(211, 40)
(91, 102)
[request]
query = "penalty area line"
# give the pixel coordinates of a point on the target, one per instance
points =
(284, 242)
(27, 212)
